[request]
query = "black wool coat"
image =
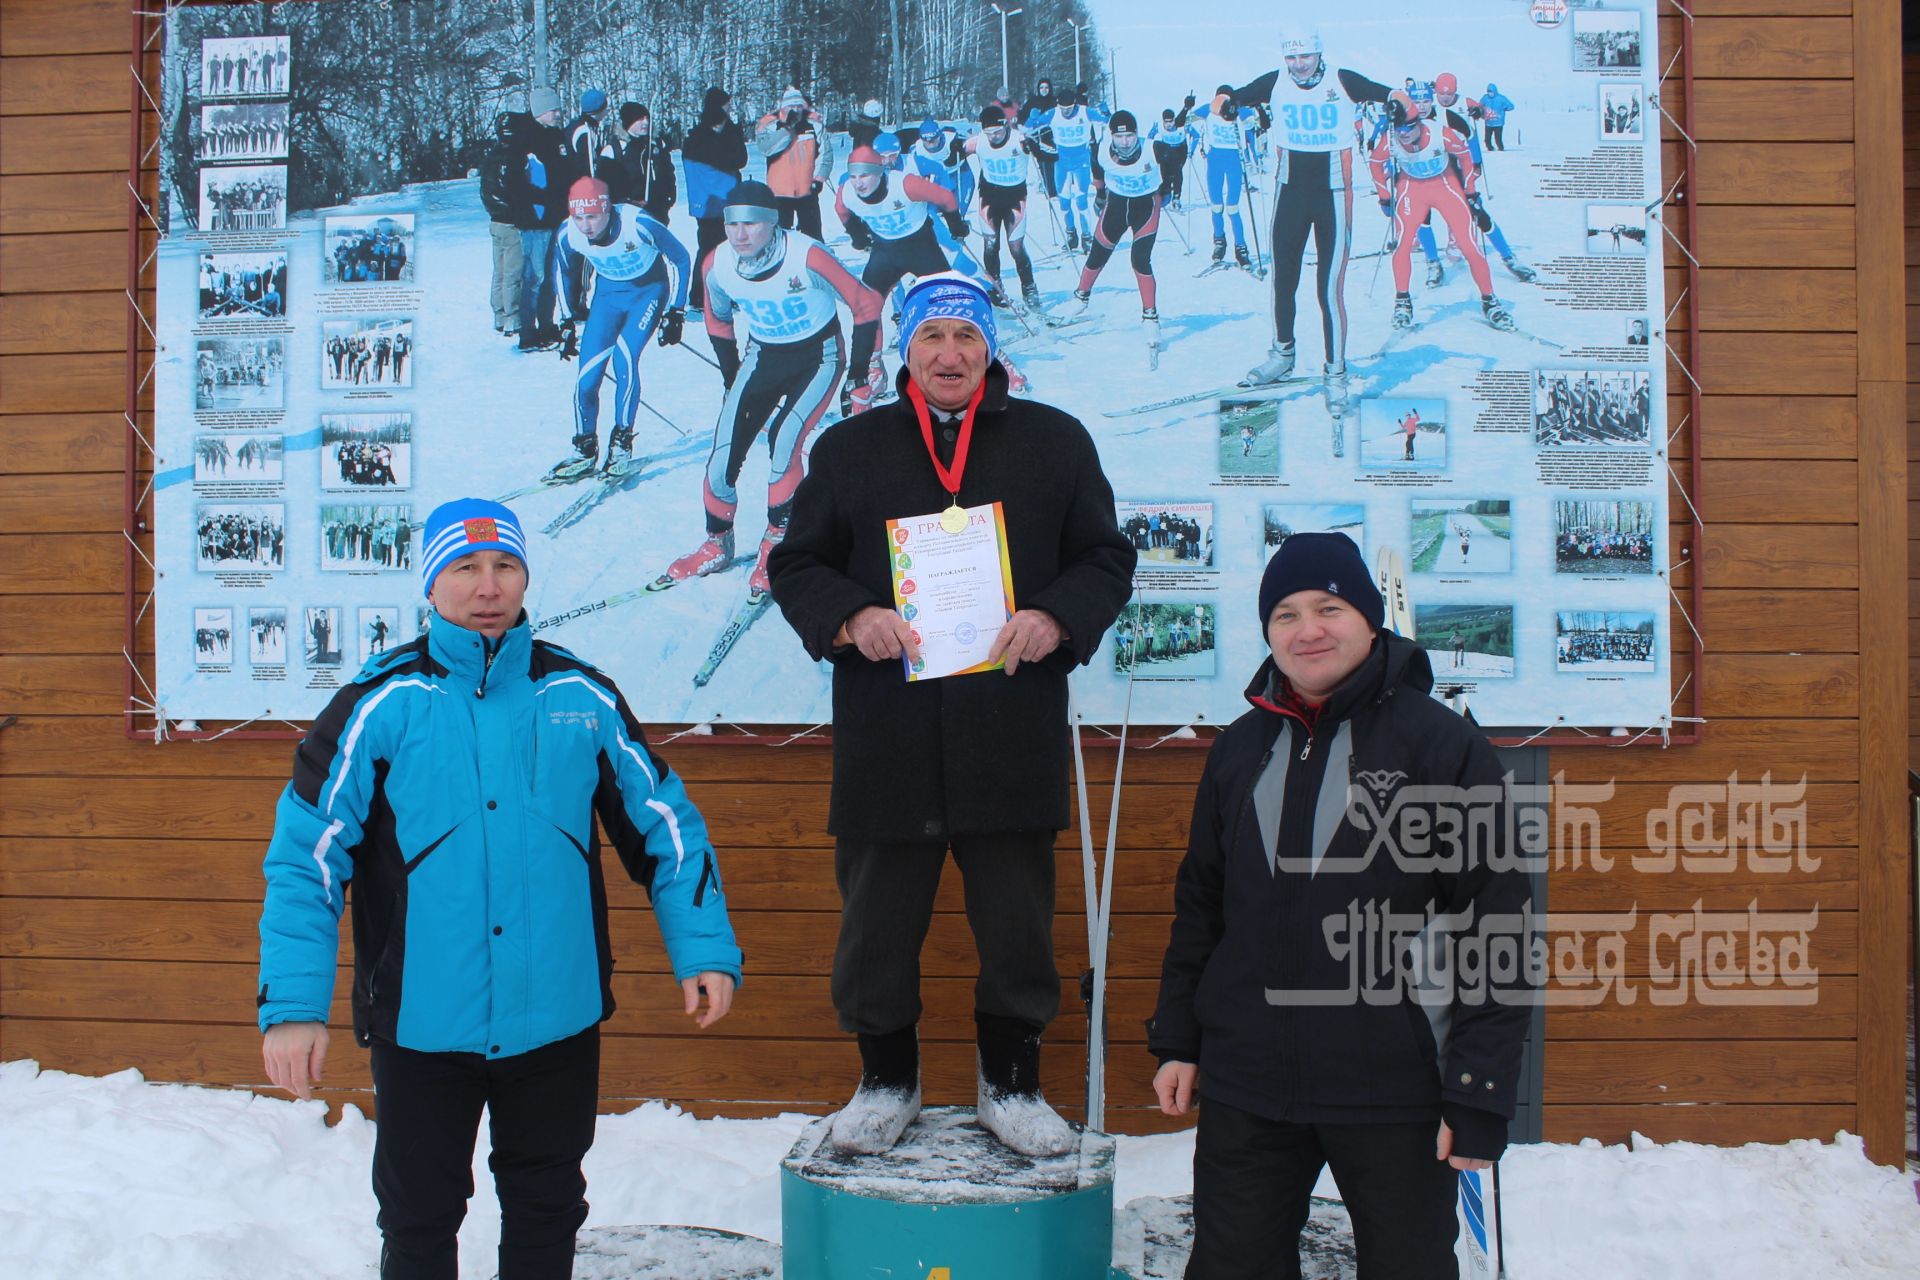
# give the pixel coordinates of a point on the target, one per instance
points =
(966, 754)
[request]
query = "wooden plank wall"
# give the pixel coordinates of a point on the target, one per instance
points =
(128, 872)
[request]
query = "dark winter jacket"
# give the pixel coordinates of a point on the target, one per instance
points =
(643, 176)
(1287, 1024)
(965, 754)
(715, 153)
(543, 170)
(496, 184)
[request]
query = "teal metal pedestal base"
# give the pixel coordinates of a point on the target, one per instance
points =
(948, 1203)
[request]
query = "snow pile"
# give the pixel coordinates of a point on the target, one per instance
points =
(114, 1177)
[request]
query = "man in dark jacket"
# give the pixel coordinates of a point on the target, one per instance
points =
(496, 196)
(975, 762)
(715, 154)
(642, 175)
(538, 194)
(1348, 862)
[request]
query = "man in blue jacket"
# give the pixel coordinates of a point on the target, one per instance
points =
(454, 784)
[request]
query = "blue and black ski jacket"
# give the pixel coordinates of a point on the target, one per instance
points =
(454, 785)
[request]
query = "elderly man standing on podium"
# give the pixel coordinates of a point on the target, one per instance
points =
(454, 784)
(933, 752)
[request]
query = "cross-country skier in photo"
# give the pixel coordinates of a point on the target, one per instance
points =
(788, 289)
(631, 254)
(1225, 134)
(1438, 99)
(999, 154)
(1043, 101)
(1315, 114)
(1124, 167)
(941, 157)
(890, 216)
(1414, 173)
(1171, 139)
(1072, 123)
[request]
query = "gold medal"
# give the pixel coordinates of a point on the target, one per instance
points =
(954, 519)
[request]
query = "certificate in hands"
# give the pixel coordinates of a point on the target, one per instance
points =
(954, 589)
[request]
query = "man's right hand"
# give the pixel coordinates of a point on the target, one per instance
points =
(296, 1055)
(1173, 1084)
(881, 635)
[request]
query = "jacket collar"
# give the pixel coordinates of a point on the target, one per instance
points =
(464, 653)
(1393, 663)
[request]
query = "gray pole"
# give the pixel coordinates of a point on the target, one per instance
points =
(541, 65)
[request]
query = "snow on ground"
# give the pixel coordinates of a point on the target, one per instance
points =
(114, 1177)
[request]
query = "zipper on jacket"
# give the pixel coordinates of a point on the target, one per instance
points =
(490, 648)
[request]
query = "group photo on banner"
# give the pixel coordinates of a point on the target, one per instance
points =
(1392, 277)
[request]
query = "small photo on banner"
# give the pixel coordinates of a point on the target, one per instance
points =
(1169, 641)
(1597, 642)
(1461, 535)
(243, 286)
(242, 198)
(367, 537)
(237, 458)
(213, 637)
(1466, 641)
(241, 537)
(369, 249)
(1249, 437)
(1168, 535)
(235, 375)
(366, 451)
(242, 131)
(244, 67)
(1606, 39)
(1403, 433)
(1605, 537)
(366, 351)
(267, 636)
(1617, 230)
(321, 639)
(379, 630)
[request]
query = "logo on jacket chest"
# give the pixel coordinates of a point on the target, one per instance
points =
(589, 720)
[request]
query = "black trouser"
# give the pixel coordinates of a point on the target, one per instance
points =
(541, 1104)
(1299, 211)
(1496, 137)
(1253, 1179)
(802, 212)
(886, 894)
(709, 233)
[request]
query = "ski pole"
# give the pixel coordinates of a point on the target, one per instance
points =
(706, 360)
(1499, 1233)
(663, 417)
(1386, 247)
(1182, 234)
(1253, 219)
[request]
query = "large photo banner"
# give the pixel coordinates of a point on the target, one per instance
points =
(1395, 276)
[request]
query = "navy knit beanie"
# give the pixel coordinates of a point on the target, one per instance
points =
(1328, 562)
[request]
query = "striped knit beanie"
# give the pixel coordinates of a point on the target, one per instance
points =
(465, 525)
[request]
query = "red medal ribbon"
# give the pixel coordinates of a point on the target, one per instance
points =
(949, 476)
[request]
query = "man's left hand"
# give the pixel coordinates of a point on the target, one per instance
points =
(1030, 635)
(719, 989)
(1443, 1150)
